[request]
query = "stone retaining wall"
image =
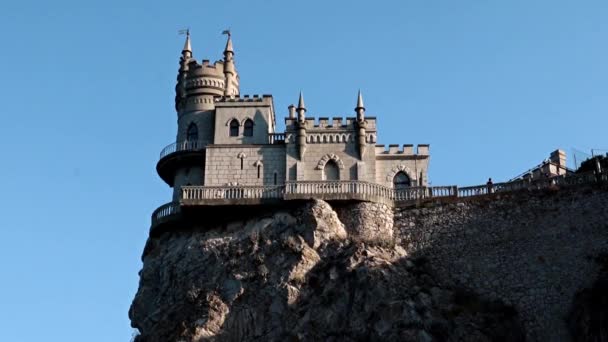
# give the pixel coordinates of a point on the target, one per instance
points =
(531, 250)
(367, 222)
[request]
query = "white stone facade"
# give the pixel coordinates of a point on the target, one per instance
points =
(240, 146)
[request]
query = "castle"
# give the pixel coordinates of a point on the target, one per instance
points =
(228, 148)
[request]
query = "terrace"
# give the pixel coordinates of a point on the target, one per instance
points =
(244, 195)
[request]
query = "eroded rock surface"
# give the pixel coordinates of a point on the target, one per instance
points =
(297, 275)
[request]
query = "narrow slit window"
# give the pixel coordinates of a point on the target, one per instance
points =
(259, 168)
(192, 133)
(241, 163)
(275, 178)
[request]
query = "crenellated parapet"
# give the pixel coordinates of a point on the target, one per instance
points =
(244, 100)
(404, 150)
(325, 124)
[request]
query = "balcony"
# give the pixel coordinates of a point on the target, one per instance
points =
(230, 195)
(276, 138)
(325, 190)
(177, 154)
(205, 201)
(166, 213)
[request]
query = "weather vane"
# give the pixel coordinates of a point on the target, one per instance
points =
(227, 32)
(185, 31)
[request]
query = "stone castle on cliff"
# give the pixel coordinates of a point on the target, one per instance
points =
(228, 147)
(228, 152)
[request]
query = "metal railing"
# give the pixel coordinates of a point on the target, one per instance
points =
(164, 211)
(181, 146)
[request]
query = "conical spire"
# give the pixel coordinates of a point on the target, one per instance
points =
(229, 42)
(301, 102)
(187, 45)
(360, 101)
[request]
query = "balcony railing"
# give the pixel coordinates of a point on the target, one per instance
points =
(276, 138)
(181, 146)
(190, 193)
(350, 190)
(314, 189)
(344, 190)
(164, 212)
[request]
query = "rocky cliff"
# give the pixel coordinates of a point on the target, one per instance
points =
(364, 271)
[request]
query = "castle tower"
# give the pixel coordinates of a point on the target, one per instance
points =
(198, 87)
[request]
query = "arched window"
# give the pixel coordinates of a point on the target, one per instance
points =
(331, 171)
(248, 128)
(234, 128)
(192, 132)
(401, 181)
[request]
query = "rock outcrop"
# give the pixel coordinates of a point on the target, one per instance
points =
(301, 275)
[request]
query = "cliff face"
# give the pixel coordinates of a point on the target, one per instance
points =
(295, 275)
(532, 250)
(366, 272)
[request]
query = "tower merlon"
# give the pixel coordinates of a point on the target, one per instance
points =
(423, 149)
(245, 100)
(405, 150)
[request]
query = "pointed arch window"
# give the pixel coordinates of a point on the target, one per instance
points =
(401, 181)
(248, 128)
(192, 132)
(234, 128)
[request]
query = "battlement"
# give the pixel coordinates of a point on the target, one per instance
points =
(206, 68)
(256, 100)
(407, 150)
(331, 124)
(264, 98)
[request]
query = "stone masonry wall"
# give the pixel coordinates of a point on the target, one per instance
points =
(223, 164)
(367, 222)
(533, 251)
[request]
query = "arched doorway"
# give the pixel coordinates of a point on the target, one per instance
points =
(401, 181)
(331, 171)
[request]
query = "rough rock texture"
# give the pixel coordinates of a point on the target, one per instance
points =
(296, 275)
(367, 222)
(531, 250)
(588, 320)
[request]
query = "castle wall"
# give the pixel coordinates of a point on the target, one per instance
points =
(395, 159)
(187, 176)
(345, 152)
(224, 164)
(258, 109)
(534, 251)
(203, 120)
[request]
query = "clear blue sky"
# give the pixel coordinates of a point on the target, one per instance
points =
(86, 98)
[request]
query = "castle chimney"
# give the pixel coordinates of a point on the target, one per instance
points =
(559, 157)
(292, 111)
